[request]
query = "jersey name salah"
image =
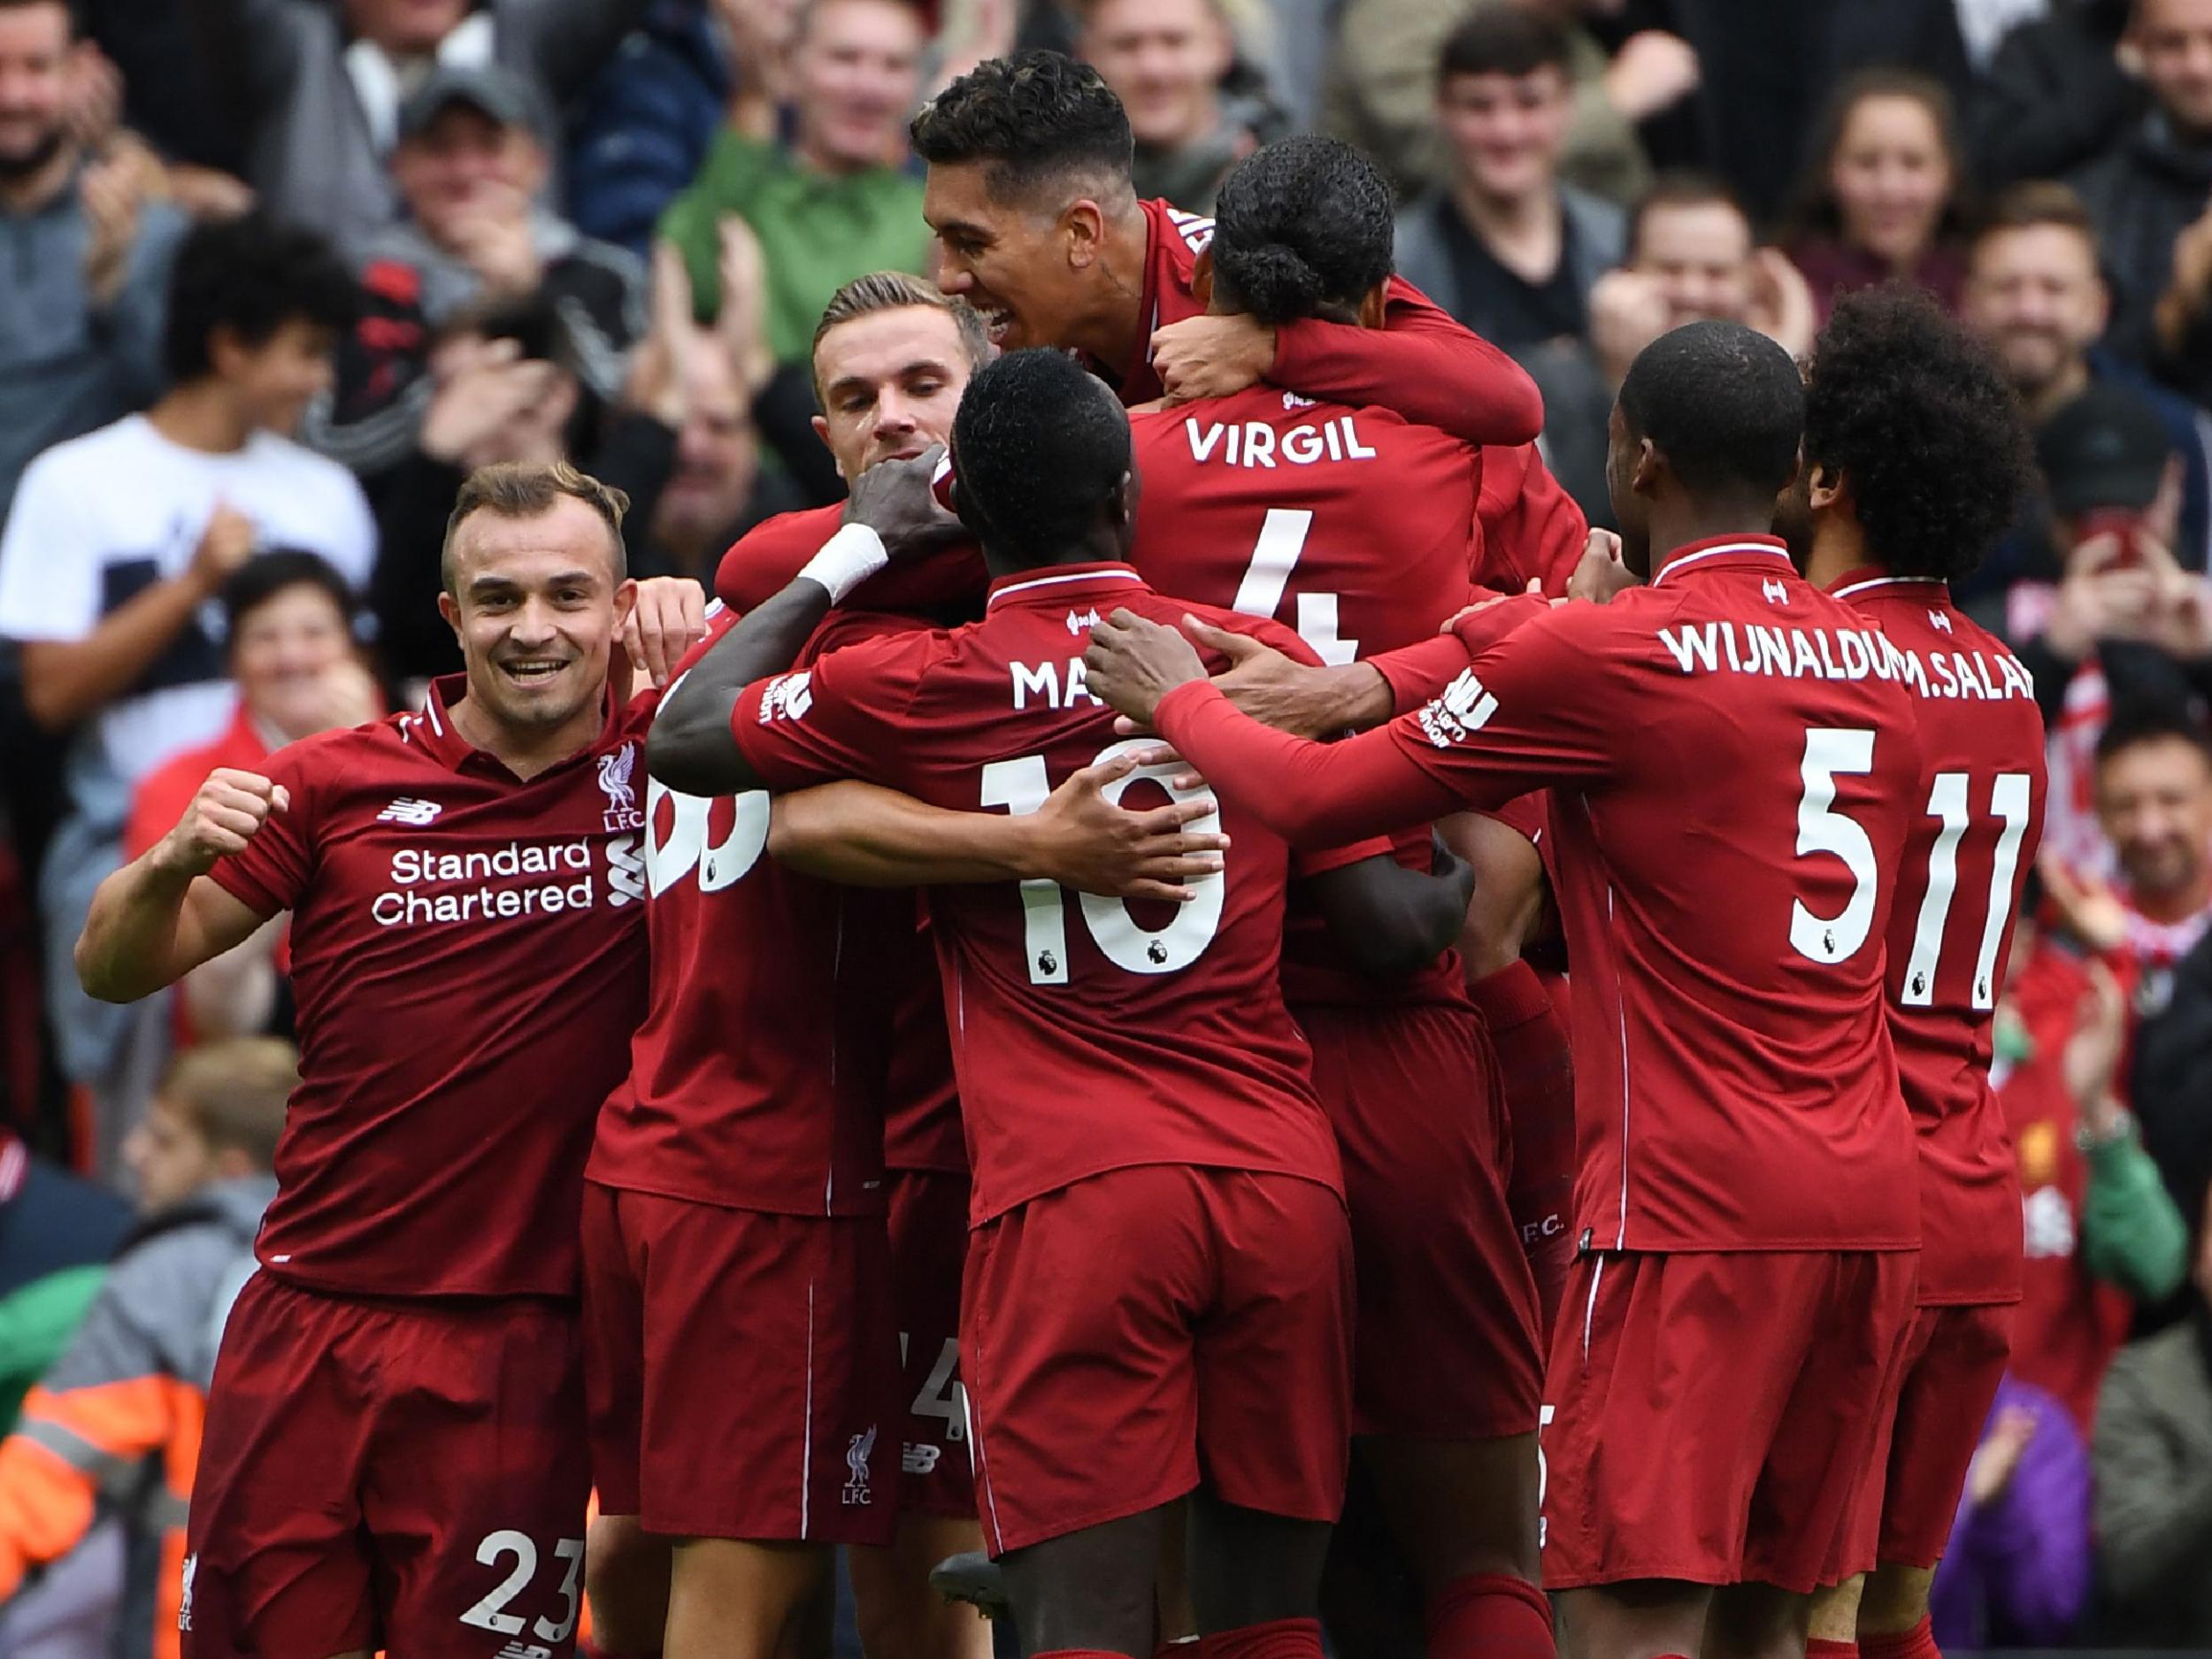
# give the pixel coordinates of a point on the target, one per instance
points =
(468, 959)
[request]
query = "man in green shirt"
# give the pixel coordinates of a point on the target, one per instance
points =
(831, 203)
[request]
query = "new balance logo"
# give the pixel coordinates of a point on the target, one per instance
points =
(1077, 620)
(410, 811)
(919, 1460)
(524, 1650)
(1464, 709)
(1777, 593)
(1937, 619)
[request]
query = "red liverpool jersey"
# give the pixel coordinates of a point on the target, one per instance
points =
(468, 954)
(1977, 815)
(764, 561)
(1088, 1034)
(756, 1079)
(1351, 527)
(1732, 772)
(1420, 362)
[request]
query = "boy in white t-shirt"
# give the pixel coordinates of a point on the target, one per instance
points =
(118, 542)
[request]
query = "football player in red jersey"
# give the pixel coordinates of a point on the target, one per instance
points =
(742, 1177)
(1746, 1204)
(1039, 227)
(393, 1453)
(1158, 1286)
(1355, 526)
(1915, 460)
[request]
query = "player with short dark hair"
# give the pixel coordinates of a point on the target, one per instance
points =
(1162, 1311)
(1745, 1205)
(1917, 458)
(1357, 529)
(1041, 231)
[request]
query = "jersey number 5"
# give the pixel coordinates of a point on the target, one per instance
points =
(1274, 556)
(1021, 786)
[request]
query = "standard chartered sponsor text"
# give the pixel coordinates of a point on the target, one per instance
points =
(518, 879)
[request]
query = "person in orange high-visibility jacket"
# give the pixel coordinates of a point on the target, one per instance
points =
(113, 1427)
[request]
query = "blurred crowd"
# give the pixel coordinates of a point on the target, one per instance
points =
(274, 274)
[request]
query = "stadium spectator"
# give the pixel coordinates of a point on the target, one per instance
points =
(718, 489)
(81, 289)
(288, 623)
(56, 1231)
(319, 87)
(1503, 245)
(2154, 1467)
(2149, 190)
(2015, 1572)
(2054, 96)
(1691, 255)
(1382, 94)
(833, 203)
(118, 539)
(470, 163)
(114, 1428)
(2034, 290)
(2099, 1226)
(1169, 61)
(506, 389)
(2124, 623)
(1881, 195)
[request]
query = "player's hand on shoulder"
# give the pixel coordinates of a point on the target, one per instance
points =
(668, 617)
(1271, 687)
(1084, 840)
(895, 499)
(1212, 356)
(227, 812)
(1132, 664)
(1601, 574)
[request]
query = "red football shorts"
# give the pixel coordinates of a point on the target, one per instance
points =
(1950, 1368)
(1445, 1345)
(1714, 1414)
(1132, 1334)
(929, 1249)
(408, 1476)
(743, 1370)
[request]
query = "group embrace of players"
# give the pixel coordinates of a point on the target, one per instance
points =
(1201, 1134)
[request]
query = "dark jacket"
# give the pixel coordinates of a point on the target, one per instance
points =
(2169, 1084)
(2143, 194)
(2054, 96)
(644, 127)
(1596, 234)
(2154, 1467)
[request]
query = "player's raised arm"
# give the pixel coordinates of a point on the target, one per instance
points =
(160, 915)
(691, 748)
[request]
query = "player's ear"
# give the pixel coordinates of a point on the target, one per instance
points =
(1084, 227)
(625, 601)
(450, 608)
(1650, 462)
(1376, 303)
(1823, 488)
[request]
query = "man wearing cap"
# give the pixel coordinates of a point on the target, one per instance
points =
(470, 160)
(2125, 626)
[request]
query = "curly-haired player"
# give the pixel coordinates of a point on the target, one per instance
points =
(1916, 456)
(1041, 231)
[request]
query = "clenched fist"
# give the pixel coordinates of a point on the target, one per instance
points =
(226, 813)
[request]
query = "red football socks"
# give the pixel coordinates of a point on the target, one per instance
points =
(1490, 1616)
(1820, 1647)
(1278, 1639)
(1919, 1642)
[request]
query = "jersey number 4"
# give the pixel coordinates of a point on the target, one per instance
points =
(1274, 556)
(1830, 753)
(1021, 786)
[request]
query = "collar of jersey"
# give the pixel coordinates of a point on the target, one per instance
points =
(433, 727)
(1060, 584)
(1728, 552)
(1874, 579)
